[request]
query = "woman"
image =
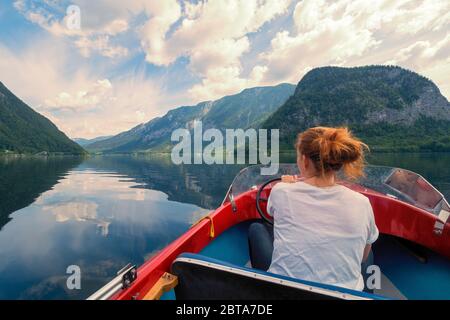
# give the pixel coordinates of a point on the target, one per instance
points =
(322, 231)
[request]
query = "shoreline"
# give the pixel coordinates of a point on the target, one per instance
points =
(143, 153)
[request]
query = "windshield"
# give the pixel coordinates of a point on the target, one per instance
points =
(398, 183)
(251, 177)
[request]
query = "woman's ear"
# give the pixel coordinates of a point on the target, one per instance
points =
(302, 163)
(305, 161)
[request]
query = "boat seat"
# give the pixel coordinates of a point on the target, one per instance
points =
(204, 278)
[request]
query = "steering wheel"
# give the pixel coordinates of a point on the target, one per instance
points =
(266, 217)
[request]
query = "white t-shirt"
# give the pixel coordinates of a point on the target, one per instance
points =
(320, 233)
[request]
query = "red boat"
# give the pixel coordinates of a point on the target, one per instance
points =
(211, 260)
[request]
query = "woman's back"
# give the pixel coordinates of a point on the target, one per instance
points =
(320, 233)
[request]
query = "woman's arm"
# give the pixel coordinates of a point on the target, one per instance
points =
(366, 252)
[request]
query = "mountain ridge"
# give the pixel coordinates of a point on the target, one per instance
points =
(246, 109)
(389, 107)
(25, 131)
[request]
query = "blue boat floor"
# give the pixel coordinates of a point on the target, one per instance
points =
(413, 278)
(230, 246)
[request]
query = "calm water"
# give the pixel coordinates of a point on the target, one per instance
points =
(103, 212)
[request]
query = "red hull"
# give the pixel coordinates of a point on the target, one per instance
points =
(392, 216)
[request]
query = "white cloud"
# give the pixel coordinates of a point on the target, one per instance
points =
(214, 36)
(162, 15)
(228, 46)
(106, 106)
(80, 103)
(221, 81)
(116, 27)
(34, 74)
(88, 99)
(100, 44)
(356, 32)
(411, 17)
(324, 34)
(422, 53)
(88, 39)
(432, 59)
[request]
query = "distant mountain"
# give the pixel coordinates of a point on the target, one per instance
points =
(23, 130)
(84, 142)
(248, 109)
(390, 108)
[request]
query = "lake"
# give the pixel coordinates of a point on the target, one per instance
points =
(103, 212)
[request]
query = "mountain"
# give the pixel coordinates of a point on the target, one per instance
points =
(84, 142)
(23, 130)
(248, 109)
(390, 108)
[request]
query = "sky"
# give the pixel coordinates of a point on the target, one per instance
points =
(101, 67)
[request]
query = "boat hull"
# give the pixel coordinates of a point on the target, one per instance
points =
(393, 217)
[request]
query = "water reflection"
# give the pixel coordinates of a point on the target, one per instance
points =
(22, 180)
(97, 219)
(202, 185)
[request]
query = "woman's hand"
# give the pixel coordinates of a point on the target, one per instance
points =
(291, 179)
(288, 179)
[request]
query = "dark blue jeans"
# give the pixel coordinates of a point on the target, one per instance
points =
(260, 242)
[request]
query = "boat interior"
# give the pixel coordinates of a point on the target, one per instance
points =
(211, 260)
(409, 271)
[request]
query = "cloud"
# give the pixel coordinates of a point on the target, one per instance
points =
(422, 53)
(351, 32)
(80, 103)
(203, 50)
(34, 74)
(88, 39)
(221, 81)
(431, 58)
(99, 44)
(153, 34)
(98, 92)
(213, 35)
(323, 34)
(107, 106)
